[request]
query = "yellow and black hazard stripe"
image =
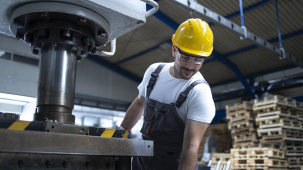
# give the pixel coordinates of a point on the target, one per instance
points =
(109, 133)
(12, 124)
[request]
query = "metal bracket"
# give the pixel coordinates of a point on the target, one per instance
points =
(105, 53)
(245, 33)
(153, 10)
(282, 54)
(113, 42)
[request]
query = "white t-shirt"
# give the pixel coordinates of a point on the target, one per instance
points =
(198, 106)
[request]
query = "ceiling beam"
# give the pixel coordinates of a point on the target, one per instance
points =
(249, 8)
(174, 25)
(165, 19)
(253, 76)
(245, 49)
(115, 68)
(276, 87)
(139, 54)
(236, 71)
(276, 39)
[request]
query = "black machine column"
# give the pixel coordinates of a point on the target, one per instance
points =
(61, 35)
(56, 87)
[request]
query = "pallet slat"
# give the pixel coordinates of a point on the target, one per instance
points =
(276, 99)
(257, 152)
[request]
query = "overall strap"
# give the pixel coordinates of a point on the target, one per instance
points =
(183, 95)
(153, 79)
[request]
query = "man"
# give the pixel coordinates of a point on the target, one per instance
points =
(176, 102)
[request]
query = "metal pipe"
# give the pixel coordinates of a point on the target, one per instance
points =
(242, 21)
(241, 13)
(153, 10)
(108, 54)
(113, 42)
(56, 87)
(278, 22)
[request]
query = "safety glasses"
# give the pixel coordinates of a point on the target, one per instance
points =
(187, 58)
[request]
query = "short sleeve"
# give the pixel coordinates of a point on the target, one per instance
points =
(200, 105)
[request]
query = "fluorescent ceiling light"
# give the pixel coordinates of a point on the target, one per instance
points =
(13, 102)
(16, 97)
(2, 53)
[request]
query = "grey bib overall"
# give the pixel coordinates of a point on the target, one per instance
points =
(164, 126)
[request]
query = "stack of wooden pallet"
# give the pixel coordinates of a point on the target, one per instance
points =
(242, 125)
(257, 158)
(280, 127)
(219, 161)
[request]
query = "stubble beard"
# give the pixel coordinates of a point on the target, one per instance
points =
(179, 73)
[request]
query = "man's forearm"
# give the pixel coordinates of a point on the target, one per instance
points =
(188, 159)
(193, 134)
(133, 113)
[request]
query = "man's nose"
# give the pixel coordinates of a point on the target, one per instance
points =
(190, 64)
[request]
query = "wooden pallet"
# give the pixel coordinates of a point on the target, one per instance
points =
(257, 152)
(239, 153)
(242, 130)
(300, 114)
(290, 111)
(259, 162)
(223, 157)
(275, 145)
(244, 137)
(278, 135)
(277, 140)
(294, 143)
(219, 161)
(276, 99)
(295, 160)
(295, 167)
(285, 132)
(247, 116)
(278, 113)
(277, 121)
(241, 124)
(266, 152)
(239, 113)
(299, 105)
(219, 166)
(293, 151)
(257, 168)
(245, 105)
(244, 145)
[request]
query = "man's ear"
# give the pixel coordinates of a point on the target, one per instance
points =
(173, 50)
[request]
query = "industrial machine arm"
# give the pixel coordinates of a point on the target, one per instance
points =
(61, 33)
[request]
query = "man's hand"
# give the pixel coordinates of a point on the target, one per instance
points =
(120, 128)
(125, 135)
(134, 113)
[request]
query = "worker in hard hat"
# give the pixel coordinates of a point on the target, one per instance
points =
(176, 101)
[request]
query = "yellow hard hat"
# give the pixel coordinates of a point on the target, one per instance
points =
(194, 36)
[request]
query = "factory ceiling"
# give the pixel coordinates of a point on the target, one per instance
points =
(240, 54)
